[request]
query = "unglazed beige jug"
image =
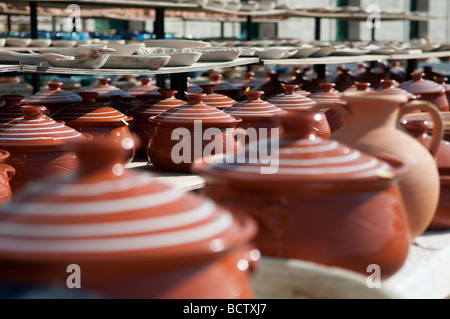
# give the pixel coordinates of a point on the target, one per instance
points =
(371, 124)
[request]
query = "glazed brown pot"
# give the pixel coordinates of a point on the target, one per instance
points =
(249, 81)
(428, 91)
(143, 92)
(426, 117)
(216, 100)
(388, 87)
(122, 104)
(141, 125)
(94, 118)
(293, 102)
(223, 87)
(7, 173)
(54, 99)
(371, 124)
(184, 134)
(325, 202)
(38, 146)
(271, 87)
(131, 236)
(10, 110)
(256, 114)
(419, 130)
(344, 80)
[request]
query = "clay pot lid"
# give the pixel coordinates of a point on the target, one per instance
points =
(144, 89)
(216, 79)
(195, 110)
(54, 95)
(249, 81)
(155, 107)
(104, 89)
(34, 128)
(104, 212)
(360, 86)
(421, 86)
(303, 160)
(423, 116)
(254, 107)
(10, 110)
(194, 88)
(90, 111)
(388, 87)
(291, 100)
(217, 100)
(328, 94)
(443, 81)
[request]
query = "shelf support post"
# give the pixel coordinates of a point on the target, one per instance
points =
(36, 81)
(178, 81)
(160, 33)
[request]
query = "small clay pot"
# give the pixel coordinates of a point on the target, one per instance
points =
(428, 91)
(344, 80)
(216, 100)
(249, 81)
(105, 90)
(38, 146)
(223, 87)
(201, 129)
(388, 87)
(143, 92)
(10, 110)
(122, 104)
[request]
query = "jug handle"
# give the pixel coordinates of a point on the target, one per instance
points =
(9, 171)
(438, 127)
(337, 107)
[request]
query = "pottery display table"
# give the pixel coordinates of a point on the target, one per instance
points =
(425, 275)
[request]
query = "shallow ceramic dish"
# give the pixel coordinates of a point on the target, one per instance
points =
(40, 43)
(85, 57)
(2, 42)
(18, 42)
(84, 42)
(126, 49)
(304, 52)
(176, 43)
(178, 57)
(64, 43)
(349, 52)
(275, 53)
(323, 51)
(32, 58)
(248, 51)
(219, 54)
(121, 61)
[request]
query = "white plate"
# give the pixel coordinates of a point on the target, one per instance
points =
(119, 61)
(64, 43)
(32, 58)
(216, 54)
(126, 49)
(40, 43)
(304, 52)
(85, 57)
(323, 51)
(176, 43)
(349, 52)
(18, 42)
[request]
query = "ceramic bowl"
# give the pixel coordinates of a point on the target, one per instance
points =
(304, 52)
(248, 51)
(85, 57)
(64, 43)
(183, 58)
(219, 54)
(2, 42)
(275, 52)
(40, 43)
(176, 43)
(122, 61)
(18, 42)
(323, 51)
(84, 42)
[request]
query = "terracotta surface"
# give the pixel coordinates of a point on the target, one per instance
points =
(224, 87)
(371, 122)
(141, 125)
(132, 236)
(344, 80)
(388, 87)
(426, 117)
(291, 101)
(54, 98)
(105, 90)
(271, 87)
(301, 81)
(193, 119)
(144, 91)
(428, 91)
(325, 202)
(370, 77)
(122, 104)
(38, 146)
(249, 81)
(363, 86)
(92, 117)
(216, 100)
(7, 173)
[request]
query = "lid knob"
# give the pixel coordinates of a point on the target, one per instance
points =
(52, 86)
(167, 93)
(441, 80)
(254, 95)
(144, 81)
(363, 86)
(327, 87)
(104, 81)
(88, 96)
(215, 77)
(208, 88)
(417, 76)
(33, 112)
(386, 83)
(249, 75)
(297, 125)
(289, 89)
(195, 98)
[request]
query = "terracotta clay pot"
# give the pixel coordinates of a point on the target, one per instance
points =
(10, 110)
(388, 87)
(419, 129)
(249, 81)
(224, 87)
(370, 77)
(105, 90)
(7, 173)
(426, 117)
(329, 95)
(371, 124)
(122, 104)
(325, 202)
(256, 114)
(141, 125)
(344, 80)
(292, 102)
(131, 236)
(272, 87)
(143, 92)
(302, 82)
(201, 130)
(38, 146)
(54, 99)
(443, 81)
(216, 100)
(94, 118)
(428, 91)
